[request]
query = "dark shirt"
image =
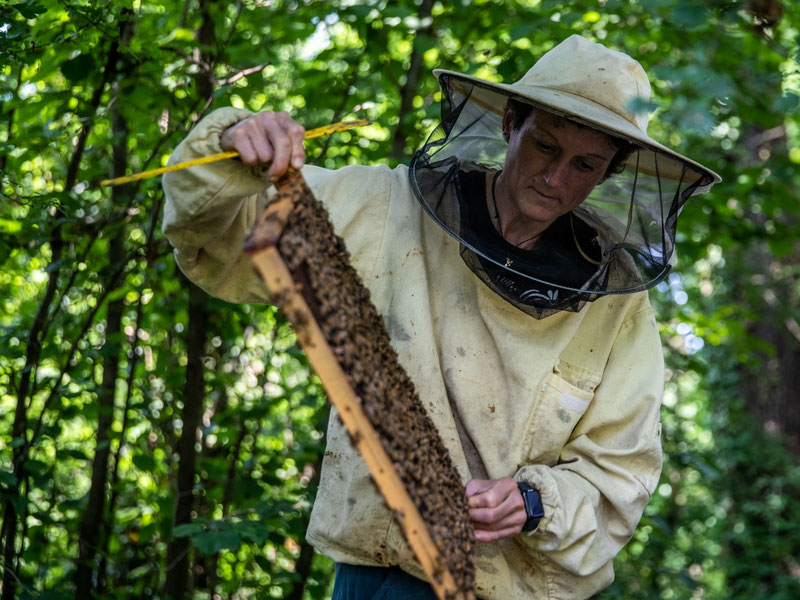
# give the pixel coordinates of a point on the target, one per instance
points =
(554, 262)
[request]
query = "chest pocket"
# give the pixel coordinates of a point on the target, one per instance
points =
(558, 408)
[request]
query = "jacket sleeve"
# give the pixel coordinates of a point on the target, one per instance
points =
(210, 209)
(596, 494)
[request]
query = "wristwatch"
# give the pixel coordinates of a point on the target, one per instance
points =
(533, 506)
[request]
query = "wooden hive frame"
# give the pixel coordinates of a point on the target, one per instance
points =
(262, 247)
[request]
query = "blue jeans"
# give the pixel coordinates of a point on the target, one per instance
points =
(355, 582)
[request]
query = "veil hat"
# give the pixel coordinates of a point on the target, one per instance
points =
(624, 232)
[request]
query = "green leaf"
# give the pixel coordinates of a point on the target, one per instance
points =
(128, 513)
(20, 503)
(523, 30)
(117, 293)
(211, 542)
(147, 533)
(36, 467)
(252, 531)
(9, 226)
(78, 68)
(48, 595)
(7, 478)
(183, 35)
(688, 13)
(73, 453)
(787, 103)
(187, 529)
(30, 10)
(424, 42)
(263, 563)
(781, 246)
(144, 462)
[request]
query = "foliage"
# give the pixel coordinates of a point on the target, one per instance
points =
(86, 85)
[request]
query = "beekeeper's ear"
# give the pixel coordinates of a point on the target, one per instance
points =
(508, 119)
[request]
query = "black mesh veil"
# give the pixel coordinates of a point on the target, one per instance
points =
(619, 240)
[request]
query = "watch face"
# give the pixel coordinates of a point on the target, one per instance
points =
(535, 503)
(533, 506)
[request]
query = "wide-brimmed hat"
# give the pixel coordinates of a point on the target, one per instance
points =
(620, 239)
(586, 82)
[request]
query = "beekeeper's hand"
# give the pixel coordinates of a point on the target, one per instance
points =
(271, 139)
(496, 508)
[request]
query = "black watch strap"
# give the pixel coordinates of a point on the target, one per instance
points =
(533, 505)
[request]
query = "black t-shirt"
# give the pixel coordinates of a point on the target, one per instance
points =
(554, 261)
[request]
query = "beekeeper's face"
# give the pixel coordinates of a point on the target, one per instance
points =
(552, 164)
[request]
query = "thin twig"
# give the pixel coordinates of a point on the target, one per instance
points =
(13, 573)
(222, 47)
(243, 73)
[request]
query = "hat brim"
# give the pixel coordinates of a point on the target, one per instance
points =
(493, 97)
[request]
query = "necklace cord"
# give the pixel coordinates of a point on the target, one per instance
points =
(578, 244)
(497, 214)
(571, 224)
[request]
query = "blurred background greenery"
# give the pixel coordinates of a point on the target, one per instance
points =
(155, 440)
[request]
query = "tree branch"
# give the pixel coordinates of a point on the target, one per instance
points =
(243, 73)
(412, 84)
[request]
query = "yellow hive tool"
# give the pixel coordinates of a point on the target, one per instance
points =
(312, 133)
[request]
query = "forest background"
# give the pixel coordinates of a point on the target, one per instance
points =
(155, 440)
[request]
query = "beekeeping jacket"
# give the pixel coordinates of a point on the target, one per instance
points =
(568, 403)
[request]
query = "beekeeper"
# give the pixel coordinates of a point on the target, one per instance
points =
(510, 261)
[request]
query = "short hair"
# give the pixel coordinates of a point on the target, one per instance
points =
(522, 110)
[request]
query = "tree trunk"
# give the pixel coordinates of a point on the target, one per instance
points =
(411, 86)
(769, 379)
(770, 382)
(95, 509)
(178, 549)
(9, 115)
(8, 532)
(108, 522)
(304, 562)
(205, 570)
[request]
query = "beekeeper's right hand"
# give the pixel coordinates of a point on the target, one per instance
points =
(271, 139)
